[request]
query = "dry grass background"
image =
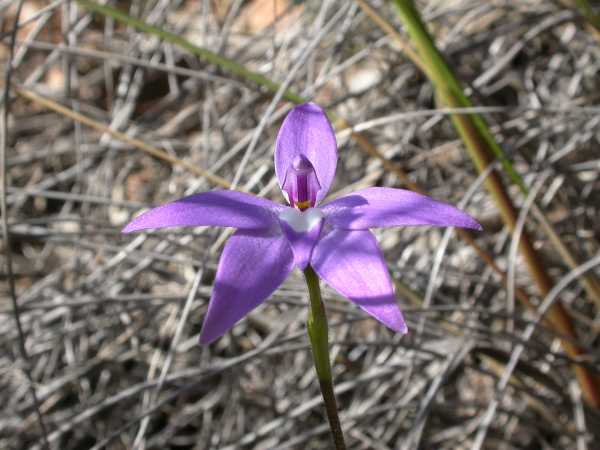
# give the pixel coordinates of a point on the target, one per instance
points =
(111, 322)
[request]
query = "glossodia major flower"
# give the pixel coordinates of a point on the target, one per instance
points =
(272, 239)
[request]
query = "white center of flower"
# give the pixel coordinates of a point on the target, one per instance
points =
(301, 221)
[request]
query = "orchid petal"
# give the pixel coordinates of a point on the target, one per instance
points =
(386, 207)
(219, 208)
(352, 264)
(252, 266)
(307, 132)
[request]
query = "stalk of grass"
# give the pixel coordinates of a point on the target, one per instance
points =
(483, 149)
(134, 142)
(589, 14)
(589, 281)
(202, 53)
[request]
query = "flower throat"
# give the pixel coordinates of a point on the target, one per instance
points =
(301, 184)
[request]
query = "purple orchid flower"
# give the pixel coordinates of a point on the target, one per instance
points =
(271, 239)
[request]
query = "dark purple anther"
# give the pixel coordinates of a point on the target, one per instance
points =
(301, 184)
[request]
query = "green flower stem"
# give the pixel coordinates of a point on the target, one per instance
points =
(319, 341)
(202, 53)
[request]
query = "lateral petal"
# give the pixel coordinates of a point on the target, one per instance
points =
(217, 208)
(387, 207)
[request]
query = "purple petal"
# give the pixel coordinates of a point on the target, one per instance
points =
(253, 264)
(302, 230)
(218, 208)
(306, 131)
(351, 263)
(386, 207)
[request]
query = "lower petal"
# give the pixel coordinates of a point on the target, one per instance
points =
(252, 266)
(352, 264)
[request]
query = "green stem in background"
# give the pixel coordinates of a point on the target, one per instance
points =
(588, 12)
(319, 341)
(449, 88)
(482, 148)
(481, 144)
(211, 57)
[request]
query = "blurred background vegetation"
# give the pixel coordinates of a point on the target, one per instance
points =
(116, 106)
